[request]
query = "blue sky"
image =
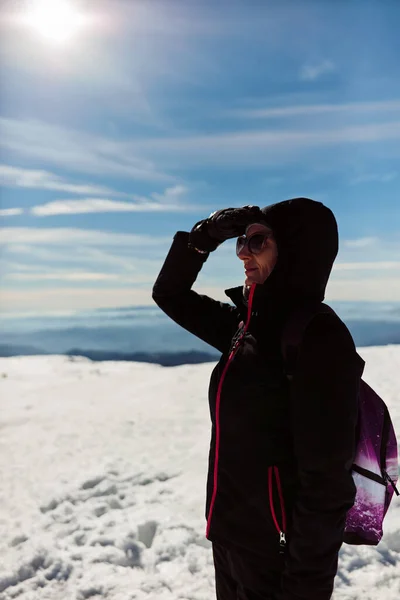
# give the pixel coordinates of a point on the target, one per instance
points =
(153, 114)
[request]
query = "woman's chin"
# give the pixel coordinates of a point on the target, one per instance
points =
(255, 277)
(249, 280)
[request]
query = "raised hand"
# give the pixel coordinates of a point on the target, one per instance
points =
(221, 225)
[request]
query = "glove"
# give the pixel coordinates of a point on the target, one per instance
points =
(221, 225)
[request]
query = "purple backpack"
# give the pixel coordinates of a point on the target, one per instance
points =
(375, 469)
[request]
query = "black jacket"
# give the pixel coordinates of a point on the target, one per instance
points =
(280, 453)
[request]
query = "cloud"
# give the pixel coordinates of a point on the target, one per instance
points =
(73, 298)
(255, 147)
(11, 212)
(49, 258)
(59, 236)
(79, 277)
(316, 109)
(171, 193)
(169, 201)
(386, 289)
(63, 276)
(36, 256)
(367, 266)
(75, 151)
(87, 153)
(375, 177)
(361, 242)
(89, 257)
(311, 72)
(97, 205)
(38, 179)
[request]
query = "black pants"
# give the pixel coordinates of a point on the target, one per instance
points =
(241, 575)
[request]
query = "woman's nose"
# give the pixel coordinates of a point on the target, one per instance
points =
(244, 253)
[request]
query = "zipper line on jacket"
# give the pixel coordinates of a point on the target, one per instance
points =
(218, 403)
(280, 530)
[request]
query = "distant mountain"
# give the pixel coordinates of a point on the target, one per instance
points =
(147, 334)
(374, 333)
(165, 359)
(15, 350)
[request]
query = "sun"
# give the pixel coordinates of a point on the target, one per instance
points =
(57, 21)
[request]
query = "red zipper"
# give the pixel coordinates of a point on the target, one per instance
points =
(218, 403)
(280, 530)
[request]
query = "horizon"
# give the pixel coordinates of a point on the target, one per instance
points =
(128, 121)
(348, 309)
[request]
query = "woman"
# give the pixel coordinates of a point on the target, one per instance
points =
(279, 482)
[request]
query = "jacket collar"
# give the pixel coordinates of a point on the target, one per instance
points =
(265, 303)
(262, 300)
(236, 295)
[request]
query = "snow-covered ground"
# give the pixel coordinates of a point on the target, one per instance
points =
(102, 483)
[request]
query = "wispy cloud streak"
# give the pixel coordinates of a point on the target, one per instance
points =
(317, 109)
(94, 154)
(374, 177)
(169, 201)
(311, 72)
(11, 176)
(256, 146)
(367, 266)
(69, 236)
(11, 212)
(75, 151)
(79, 277)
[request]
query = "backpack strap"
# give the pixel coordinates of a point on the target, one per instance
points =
(293, 332)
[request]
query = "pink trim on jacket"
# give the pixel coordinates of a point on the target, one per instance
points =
(218, 403)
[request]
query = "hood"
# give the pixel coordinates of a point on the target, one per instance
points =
(307, 237)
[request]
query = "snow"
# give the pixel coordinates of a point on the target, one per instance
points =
(102, 471)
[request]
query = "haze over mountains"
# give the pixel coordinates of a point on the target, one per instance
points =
(147, 334)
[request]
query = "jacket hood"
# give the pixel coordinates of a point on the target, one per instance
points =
(306, 234)
(307, 237)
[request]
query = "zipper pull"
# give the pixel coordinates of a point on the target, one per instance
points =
(387, 478)
(282, 542)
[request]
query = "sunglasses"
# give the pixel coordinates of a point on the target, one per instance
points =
(255, 243)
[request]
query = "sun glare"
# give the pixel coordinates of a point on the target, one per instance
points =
(57, 21)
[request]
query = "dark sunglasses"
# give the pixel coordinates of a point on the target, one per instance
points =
(255, 243)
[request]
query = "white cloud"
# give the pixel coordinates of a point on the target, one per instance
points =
(69, 236)
(267, 146)
(63, 276)
(375, 177)
(10, 212)
(50, 258)
(135, 158)
(75, 151)
(78, 277)
(89, 257)
(367, 266)
(73, 298)
(80, 256)
(316, 109)
(171, 193)
(361, 242)
(169, 201)
(385, 289)
(310, 72)
(98, 205)
(38, 179)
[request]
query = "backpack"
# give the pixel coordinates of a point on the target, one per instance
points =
(375, 469)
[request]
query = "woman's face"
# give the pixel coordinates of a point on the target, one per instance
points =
(258, 267)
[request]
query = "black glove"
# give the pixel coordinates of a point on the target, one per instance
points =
(221, 225)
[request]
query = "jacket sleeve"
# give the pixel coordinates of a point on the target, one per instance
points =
(324, 410)
(212, 321)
